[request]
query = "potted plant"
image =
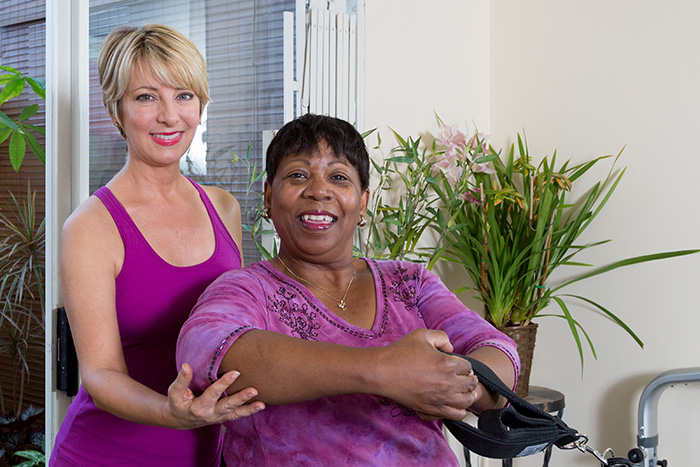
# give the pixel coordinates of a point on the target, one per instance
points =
(510, 222)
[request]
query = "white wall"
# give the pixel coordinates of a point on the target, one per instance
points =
(588, 78)
(422, 58)
(585, 78)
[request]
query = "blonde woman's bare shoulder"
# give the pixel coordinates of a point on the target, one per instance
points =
(90, 230)
(91, 213)
(229, 211)
(226, 205)
(221, 197)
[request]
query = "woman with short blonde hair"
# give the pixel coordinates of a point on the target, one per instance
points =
(134, 258)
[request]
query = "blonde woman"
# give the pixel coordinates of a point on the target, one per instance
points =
(134, 258)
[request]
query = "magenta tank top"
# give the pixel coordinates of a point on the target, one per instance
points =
(153, 300)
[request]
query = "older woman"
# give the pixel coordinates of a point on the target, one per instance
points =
(347, 350)
(134, 258)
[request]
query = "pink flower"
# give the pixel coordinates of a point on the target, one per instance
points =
(452, 154)
(483, 168)
(450, 169)
(471, 196)
(451, 137)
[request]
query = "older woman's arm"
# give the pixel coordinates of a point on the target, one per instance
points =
(413, 371)
(502, 365)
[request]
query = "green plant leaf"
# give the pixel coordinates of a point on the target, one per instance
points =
(37, 129)
(8, 122)
(38, 85)
(576, 324)
(399, 138)
(12, 89)
(35, 147)
(627, 262)
(28, 111)
(33, 456)
(21, 277)
(7, 78)
(368, 132)
(572, 327)
(17, 149)
(523, 225)
(484, 159)
(401, 159)
(5, 132)
(612, 316)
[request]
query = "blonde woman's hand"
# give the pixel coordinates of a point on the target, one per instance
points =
(187, 411)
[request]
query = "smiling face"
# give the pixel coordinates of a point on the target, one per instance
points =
(315, 202)
(159, 121)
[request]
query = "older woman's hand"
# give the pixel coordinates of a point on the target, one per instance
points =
(188, 411)
(420, 375)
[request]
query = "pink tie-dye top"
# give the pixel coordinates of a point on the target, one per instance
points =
(352, 429)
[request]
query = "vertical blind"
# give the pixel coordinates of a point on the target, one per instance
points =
(242, 43)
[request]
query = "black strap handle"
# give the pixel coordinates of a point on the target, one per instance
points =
(517, 430)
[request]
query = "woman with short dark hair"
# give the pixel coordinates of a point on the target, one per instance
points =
(348, 354)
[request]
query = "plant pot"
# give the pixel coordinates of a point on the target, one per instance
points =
(524, 337)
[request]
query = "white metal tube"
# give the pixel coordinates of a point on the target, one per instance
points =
(647, 415)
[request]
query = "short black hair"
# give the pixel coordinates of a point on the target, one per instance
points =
(303, 135)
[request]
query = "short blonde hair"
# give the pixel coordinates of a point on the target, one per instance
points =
(167, 53)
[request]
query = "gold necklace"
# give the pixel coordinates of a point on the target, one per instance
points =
(341, 303)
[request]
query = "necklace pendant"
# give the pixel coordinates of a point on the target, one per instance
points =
(342, 305)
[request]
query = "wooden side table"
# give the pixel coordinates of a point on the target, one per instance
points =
(549, 400)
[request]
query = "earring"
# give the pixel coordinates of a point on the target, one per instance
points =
(363, 221)
(266, 212)
(117, 125)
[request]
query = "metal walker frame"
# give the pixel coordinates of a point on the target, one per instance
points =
(647, 415)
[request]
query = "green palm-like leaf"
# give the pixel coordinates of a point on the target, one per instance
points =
(627, 262)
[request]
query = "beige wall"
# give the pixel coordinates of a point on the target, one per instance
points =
(585, 78)
(416, 63)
